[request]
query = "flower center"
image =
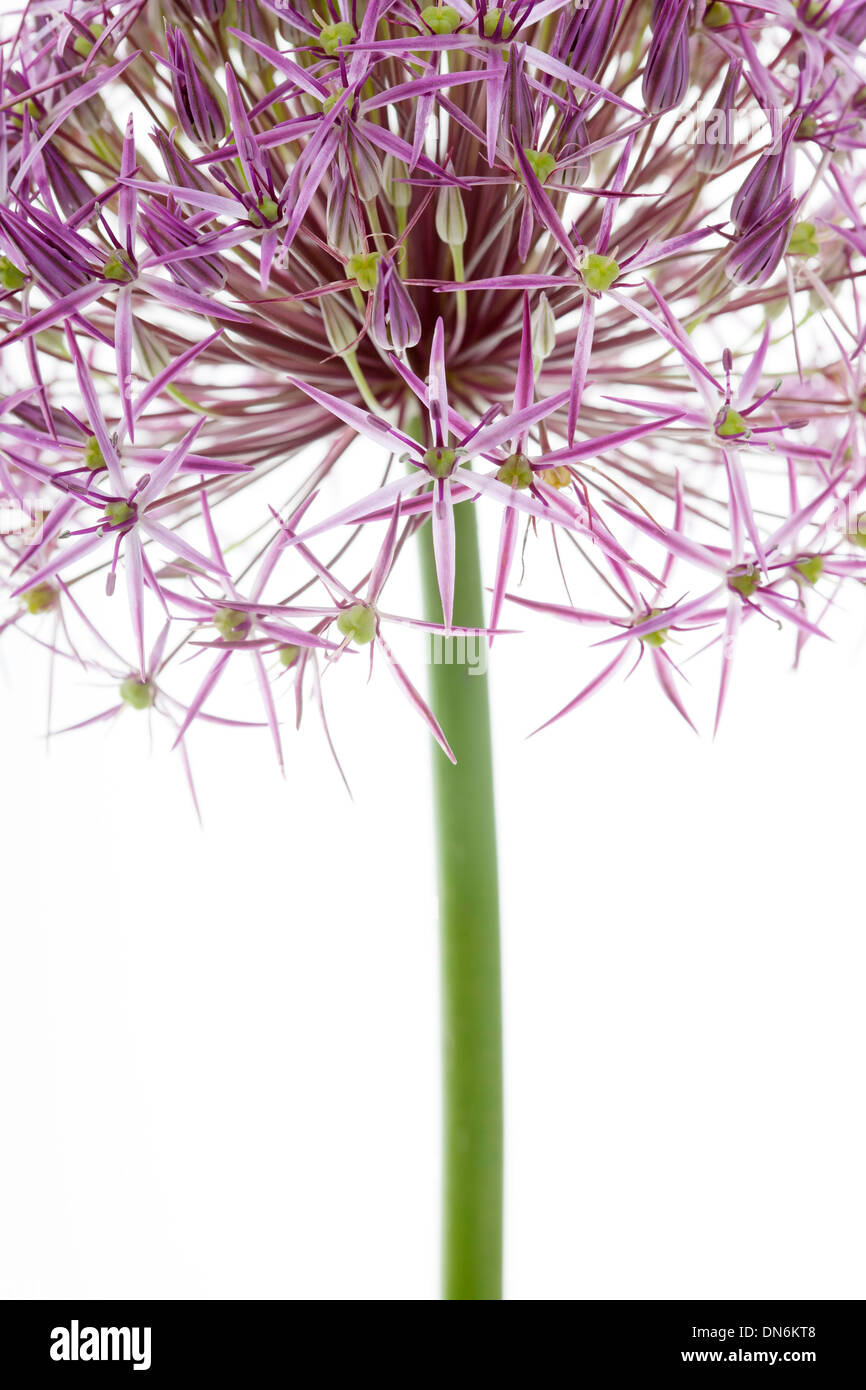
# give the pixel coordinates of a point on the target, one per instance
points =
(118, 513)
(333, 35)
(289, 655)
(657, 638)
(557, 477)
(717, 15)
(442, 19)
(811, 568)
(492, 24)
(40, 599)
(541, 164)
(440, 461)
(804, 240)
(358, 623)
(266, 210)
(116, 268)
(93, 455)
(858, 535)
(599, 272)
(11, 278)
(139, 694)
(364, 267)
(731, 423)
(231, 624)
(743, 580)
(516, 471)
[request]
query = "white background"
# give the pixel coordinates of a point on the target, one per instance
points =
(220, 1049)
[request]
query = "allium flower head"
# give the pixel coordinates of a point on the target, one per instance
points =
(281, 285)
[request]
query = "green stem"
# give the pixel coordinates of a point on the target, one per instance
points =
(469, 934)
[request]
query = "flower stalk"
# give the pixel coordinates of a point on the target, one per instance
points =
(469, 940)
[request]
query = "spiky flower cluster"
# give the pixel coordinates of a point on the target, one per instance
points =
(284, 285)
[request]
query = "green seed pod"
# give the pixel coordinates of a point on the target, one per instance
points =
(542, 165)
(440, 461)
(743, 580)
(137, 693)
(116, 268)
(811, 568)
(731, 423)
(657, 638)
(491, 24)
(231, 624)
(516, 471)
(364, 267)
(358, 623)
(558, 477)
(93, 456)
(858, 535)
(599, 272)
(717, 15)
(333, 35)
(804, 240)
(118, 513)
(268, 210)
(289, 655)
(11, 278)
(40, 599)
(442, 19)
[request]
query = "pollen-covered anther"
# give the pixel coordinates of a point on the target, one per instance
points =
(744, 580)
(442, 19)
(137, 693)
(516, 471)
(358, 623)
(599, 272)
(231, 624)
(333, 35)
(364, 268)
(730, 423)
(440, 461)
(40, 599)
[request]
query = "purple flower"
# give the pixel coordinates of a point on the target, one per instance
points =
(197, 108)
(666, 75)
(367, 265)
